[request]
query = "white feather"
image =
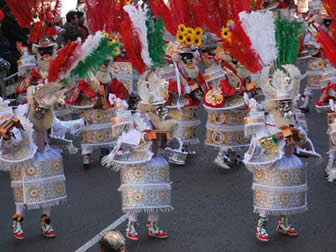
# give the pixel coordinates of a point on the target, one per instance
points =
(89, 46)
(260, 28)
(138, 18)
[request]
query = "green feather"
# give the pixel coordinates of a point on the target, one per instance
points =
(288, 38)
(96, 58)
(156, 44)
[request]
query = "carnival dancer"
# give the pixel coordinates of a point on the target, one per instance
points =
(97, 133)
(226, 111)
(186, 82)
(279, 176)
(326, 38)
(38, 182)
(145, 185)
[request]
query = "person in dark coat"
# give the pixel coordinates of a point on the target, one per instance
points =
(83, 29)
(11, 29)
(71, 30)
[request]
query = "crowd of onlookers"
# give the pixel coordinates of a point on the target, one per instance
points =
(11, 33)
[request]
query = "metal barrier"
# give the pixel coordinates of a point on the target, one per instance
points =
(8, 87)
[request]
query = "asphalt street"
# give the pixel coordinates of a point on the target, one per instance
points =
(213, 208)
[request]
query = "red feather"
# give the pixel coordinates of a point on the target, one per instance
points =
(185, 12)
(132, 44)
(64, 60)
(328, 44)
(215, 13)
(240, 48)
(160, 9)
(46, 11)
(104, 15)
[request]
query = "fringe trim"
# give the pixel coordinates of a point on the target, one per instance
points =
(265, 188)
(241, 147)
(277, 212)
(163, 209)
(41, 205)
(159, 187)
(190, 142)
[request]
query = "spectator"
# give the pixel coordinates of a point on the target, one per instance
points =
(112, 242)
(71, 30)
(11, 29)
(83, 29)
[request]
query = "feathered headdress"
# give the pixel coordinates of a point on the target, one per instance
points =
(328, 40)
(287, 37)
(260, 28)
(182, 19)
(142, 36)
(221, 17)
(76, 60)
(37, 15)
(105, 15)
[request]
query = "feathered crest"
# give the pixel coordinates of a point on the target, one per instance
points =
(132, 44)
(221, 17)
(64, 61)
(287, 37)
(260, 28)
(182, 19)
(38, 15)
(216, 13)
(138, 17)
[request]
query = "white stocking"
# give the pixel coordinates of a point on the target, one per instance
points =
(153, 217)
(46, 211)
(20, 210)
(133, 217)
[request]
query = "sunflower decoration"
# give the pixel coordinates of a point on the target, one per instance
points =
(229, 22)
(197, 42)
(199, 32)
(189, 40)
(180, 37)
(226, 34)
(182, 28)
(190, 31)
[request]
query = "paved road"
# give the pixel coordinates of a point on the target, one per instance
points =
(213, 209)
